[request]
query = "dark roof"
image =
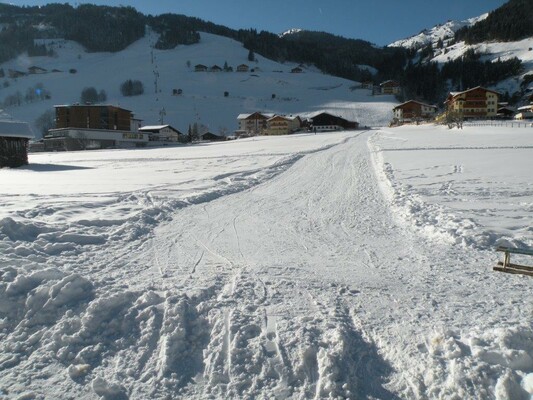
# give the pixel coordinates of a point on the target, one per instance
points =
(414, 101)
(15, 129)
(90, 105)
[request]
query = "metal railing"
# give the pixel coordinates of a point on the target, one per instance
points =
(505, 123)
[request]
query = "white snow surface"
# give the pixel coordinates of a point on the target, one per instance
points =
(202, 99)
(342, 265)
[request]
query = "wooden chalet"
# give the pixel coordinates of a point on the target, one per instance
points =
(297, 70)
(475, 103)
(506, 112)
(282, 125)
(200, 68)
(161, 133)
(413, 110)
(215, 68)
(243, 68)
(211, 137)
(14, 138)
(254, 124)
(390, 87)
(328, 122)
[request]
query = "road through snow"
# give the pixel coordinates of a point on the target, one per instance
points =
(304, 286)
(314, 289)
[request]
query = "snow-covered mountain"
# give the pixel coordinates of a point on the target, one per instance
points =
(488, 51)
(290, 32)
(439, 32)
(269, 86)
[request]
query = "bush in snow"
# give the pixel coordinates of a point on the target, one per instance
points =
(131, 88)
(46, 121)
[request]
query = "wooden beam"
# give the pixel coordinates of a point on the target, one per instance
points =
(514, 271)
(515, 266)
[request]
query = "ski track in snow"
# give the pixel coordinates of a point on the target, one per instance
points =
(306, 279)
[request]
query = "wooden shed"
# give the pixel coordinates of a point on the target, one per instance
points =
(14, 138)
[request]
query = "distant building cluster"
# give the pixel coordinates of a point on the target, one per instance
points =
(259, 123)
(239, 68)
(471, 104)
(86, 127)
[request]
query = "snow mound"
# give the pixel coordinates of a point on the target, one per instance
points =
(464, 365)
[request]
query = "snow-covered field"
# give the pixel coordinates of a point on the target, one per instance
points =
(344, 265)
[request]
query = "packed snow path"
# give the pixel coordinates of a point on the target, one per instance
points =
(305, 286)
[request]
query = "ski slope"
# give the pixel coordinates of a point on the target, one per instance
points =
(203, 100)
(343, 265)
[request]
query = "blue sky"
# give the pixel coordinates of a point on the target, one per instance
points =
(378, 21)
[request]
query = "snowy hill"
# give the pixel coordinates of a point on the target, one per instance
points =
(440, 32)
(492, 52)
(270, 88)
(489, 51)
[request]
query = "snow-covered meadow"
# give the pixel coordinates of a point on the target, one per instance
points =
(270, 87)
(349, 264)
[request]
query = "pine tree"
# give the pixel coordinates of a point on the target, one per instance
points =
(251, 55)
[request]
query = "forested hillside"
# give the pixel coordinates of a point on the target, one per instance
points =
(512, 21)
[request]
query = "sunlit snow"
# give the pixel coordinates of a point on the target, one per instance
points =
(341, 265)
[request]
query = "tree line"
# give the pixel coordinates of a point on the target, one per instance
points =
(511, 22)
(431, 81)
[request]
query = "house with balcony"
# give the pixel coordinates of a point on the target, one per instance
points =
(475, 103)
(390, 87)
(200, 68)
(162, 134)
(412, 111)
(253, 124)
(282, 125)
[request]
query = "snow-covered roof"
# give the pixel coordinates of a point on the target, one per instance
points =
(90, 105)
(453, 94)
(414, 101)
(282, 117)
(244, 116)
(15, 129)
(152, 127)
(316, 113)
(157, 128)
